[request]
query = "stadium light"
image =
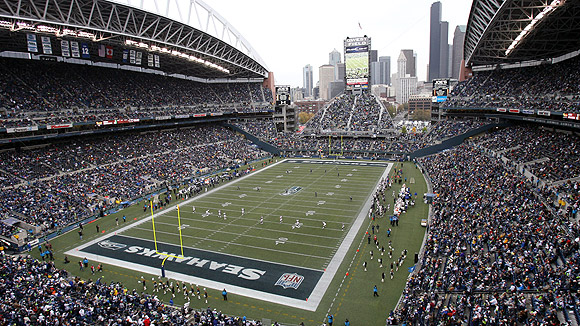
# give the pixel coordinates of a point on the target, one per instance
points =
(23, 25)
(47, 29)
(176, 53)
(547, 10)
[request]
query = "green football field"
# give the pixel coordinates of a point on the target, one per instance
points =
(305, 195)
(268, 229)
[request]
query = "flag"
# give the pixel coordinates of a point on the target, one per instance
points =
(109, 52)
(412, 269)
(101, 51)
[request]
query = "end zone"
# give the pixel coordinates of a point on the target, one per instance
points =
(292, 286)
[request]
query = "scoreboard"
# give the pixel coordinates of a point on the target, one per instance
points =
(440, 90)
(283, 95)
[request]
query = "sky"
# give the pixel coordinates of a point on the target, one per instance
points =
(290, 34)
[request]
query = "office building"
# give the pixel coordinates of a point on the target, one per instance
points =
(420, 107)
(373, 55)
(307, 79)
(385, 67)
(334, 58)
(406, 85)
(411, 57)
(325, 77)
(340, 71)
(438, 44)
(335, 88)
(444, 48)
(457, 50)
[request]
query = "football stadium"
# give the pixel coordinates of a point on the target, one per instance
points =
(152, 173)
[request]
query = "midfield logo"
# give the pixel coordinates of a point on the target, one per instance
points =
(291, 191)
(290, 280)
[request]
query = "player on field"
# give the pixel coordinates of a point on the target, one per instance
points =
(280, 219)
(296, 225)
(323, 224)
(261, 219)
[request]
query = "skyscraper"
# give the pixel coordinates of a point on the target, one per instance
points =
(406, 85)
(438, 44)
(411, 67)
(325, 77)
(402, 65)
(444, 48)
(375, 72)
(457, 52)
(334, 57)
(341, 71)
(385, 66)
(434, 40)
(307, 79)
(373, 55)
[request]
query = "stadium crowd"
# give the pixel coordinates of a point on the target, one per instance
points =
(550, 87)
(527, 145)
(37, 293)
(39, 92)
(353, 113)
(402, 143)
(61, 183)
(496, 251)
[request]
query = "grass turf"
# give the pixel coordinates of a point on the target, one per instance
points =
(347, 297)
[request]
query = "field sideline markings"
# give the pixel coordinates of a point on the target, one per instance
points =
(241, 245)
(322, 285)
(282, 204)
(250, 227)
(338, 259)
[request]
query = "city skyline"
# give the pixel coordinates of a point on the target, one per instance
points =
(288, 44)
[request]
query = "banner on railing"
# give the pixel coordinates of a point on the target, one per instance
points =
(60, 126)
(21, 129)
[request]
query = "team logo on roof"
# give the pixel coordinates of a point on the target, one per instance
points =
(107, 244)
(290, 280)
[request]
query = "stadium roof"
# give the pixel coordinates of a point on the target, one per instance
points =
(188, 27)
(508, 31)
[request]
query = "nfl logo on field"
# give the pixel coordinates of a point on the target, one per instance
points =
(290, 280)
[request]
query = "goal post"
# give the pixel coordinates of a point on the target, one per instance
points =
(155, 238)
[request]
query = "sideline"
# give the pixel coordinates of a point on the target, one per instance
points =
(310, 304)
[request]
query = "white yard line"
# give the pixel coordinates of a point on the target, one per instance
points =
(338, 258)
(226, 232)
(310, 304)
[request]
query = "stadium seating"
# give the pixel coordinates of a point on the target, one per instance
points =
(39, 92)
(348, 146)
(550, 87)
(37, 293)
(351, 113)
(550, 156)
(58, 184)
(497, 250)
